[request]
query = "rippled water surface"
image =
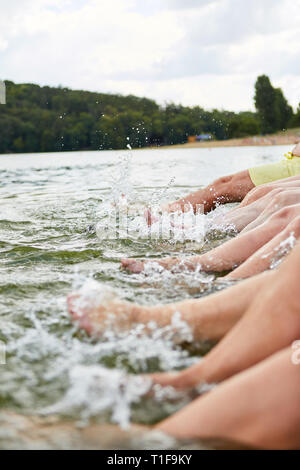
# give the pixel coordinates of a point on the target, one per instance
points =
(51, 205)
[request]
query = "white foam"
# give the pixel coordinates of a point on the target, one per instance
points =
(95, 389)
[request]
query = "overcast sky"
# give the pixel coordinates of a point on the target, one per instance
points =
(194, 52)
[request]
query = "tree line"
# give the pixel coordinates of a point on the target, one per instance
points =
(48, 119)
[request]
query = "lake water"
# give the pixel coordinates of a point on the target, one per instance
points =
(51, 205)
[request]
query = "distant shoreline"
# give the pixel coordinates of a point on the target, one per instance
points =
(289, 137)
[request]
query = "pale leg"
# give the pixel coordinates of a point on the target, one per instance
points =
(210, 317)
(259, 407)
(271, 322)
(262, 258)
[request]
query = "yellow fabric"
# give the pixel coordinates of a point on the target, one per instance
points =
(275, 171)
(289, 155)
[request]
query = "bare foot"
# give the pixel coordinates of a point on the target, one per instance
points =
(167, 379)
(133, 265)
(151, 218)
(179, 380)
(171, 264)
(95, 311)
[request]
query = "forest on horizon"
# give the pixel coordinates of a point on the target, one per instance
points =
(48, 119)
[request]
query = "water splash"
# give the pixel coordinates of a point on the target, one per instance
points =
(281, 251)
(79, 368)
(48, 203)
(156, 275)
(127, 223)
(95, 389)
(94, 295)
(121, 214)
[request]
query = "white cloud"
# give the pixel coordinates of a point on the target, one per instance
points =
(206, 90)
(205, 52)
(186, 4)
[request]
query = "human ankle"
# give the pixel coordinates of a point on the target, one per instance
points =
(140, 313)
(192, 376)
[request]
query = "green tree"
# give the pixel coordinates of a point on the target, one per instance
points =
(295, 119)
(285, 111)
(57, 119)
(266, 104)
(243, 125)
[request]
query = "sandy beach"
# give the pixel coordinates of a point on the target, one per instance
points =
(289, 137)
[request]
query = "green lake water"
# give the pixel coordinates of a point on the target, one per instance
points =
(51, 206)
